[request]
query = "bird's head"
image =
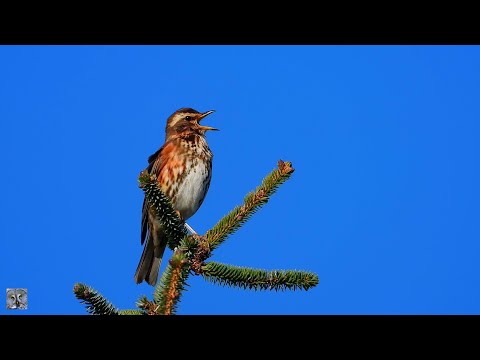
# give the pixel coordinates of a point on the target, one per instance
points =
(187, 121)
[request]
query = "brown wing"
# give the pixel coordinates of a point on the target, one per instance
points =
(153, 162)
(156, 162)
(144, 234)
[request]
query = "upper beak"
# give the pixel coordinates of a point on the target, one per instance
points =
(205, 114)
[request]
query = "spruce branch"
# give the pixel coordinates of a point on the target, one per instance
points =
(172, 225)
(202, 252)
(252, 202)
(256, 279)
(146, 306)
(131, 312)
(191, 251)
(95, 303)
(188, 246)
(142, 302)
(173, 281)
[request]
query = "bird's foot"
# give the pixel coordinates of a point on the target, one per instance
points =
(189, 228)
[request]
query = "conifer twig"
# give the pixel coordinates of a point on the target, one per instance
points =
(131, 312)
(146, 306)
(172, 225)
(252, 202)
(256, 279)
(191, 251)
(95, 303)
(167, 293)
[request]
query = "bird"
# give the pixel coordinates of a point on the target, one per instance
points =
(17, 298)
(183, 169)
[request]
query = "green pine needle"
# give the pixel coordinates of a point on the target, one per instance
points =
(173, 227)
(142, 302)
(95, 303)
(190, 253)
(256, 279)
(171, 285)
(131, 312)
(251, 204)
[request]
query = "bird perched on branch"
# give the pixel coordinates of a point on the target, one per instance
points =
(183, 167)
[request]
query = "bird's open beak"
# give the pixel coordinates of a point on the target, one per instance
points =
(205, 128)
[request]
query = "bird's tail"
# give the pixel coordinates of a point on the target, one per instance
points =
(150, 261)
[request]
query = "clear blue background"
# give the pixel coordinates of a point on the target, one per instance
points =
(383, 204)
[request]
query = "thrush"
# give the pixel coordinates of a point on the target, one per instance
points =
(183, 168)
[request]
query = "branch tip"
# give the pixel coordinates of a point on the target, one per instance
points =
(144, 178)
(285, 167)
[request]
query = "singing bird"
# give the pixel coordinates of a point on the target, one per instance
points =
(183, 168)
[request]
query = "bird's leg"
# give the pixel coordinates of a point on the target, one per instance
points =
(188, 227)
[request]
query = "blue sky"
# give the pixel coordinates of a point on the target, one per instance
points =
(383, 204)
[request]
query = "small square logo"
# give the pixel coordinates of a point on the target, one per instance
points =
(17, 299)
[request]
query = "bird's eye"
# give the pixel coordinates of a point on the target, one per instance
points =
(188, 118)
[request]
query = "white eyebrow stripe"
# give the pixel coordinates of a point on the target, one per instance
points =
(177, 117)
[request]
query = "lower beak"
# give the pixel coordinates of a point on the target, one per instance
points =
(206, 128)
